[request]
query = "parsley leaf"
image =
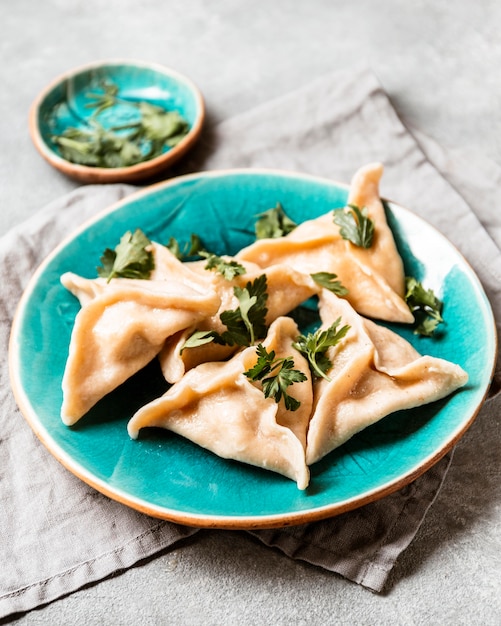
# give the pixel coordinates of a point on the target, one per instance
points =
(95, 146)
(248, 322)
(101, 101)
(161, 127)
(314, 347)
(243, 324)
(190, 249)
(276, 375)
(130, 258)
(201, 338)
(193, 248)
(425, 306)
(274, 223)
(228, 269)
(328, 281)
(152, 131)
(355, 225)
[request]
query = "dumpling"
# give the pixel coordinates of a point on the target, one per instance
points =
(382, 258)
(174, 361)
(374, 277)
(119, 329)
(216, 406)
(374, 373)
(85, 289)
(286, 287)
(167, 267)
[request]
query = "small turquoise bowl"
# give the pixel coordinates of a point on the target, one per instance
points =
(64, 103)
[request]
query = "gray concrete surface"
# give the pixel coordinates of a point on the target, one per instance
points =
(439, 61)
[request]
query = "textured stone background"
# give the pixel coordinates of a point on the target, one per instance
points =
(438, 60)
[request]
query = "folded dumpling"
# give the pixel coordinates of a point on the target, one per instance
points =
(374, 276)
(286, 288)
(121, 326)
(166, 267)
(169, 267)
(216, 406)
(374, 373)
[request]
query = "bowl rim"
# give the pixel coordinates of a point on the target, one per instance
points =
(115, 174)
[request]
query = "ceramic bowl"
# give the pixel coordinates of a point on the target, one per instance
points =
(64, 103)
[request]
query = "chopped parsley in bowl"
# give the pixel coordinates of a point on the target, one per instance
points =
(116, 121)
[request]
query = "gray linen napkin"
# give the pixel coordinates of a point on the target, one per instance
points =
(57, 534)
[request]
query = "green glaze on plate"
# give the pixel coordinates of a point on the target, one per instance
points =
(169, 477)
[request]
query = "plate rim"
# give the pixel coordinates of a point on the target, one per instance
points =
(230, 522)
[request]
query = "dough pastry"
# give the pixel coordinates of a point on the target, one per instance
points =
(374, 372)
(374, 276)
(216, 406)
(167, 268)
(124, 323)
(119, 329)
(287, 288)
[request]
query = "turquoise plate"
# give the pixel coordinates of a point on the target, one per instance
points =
(168, 477)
